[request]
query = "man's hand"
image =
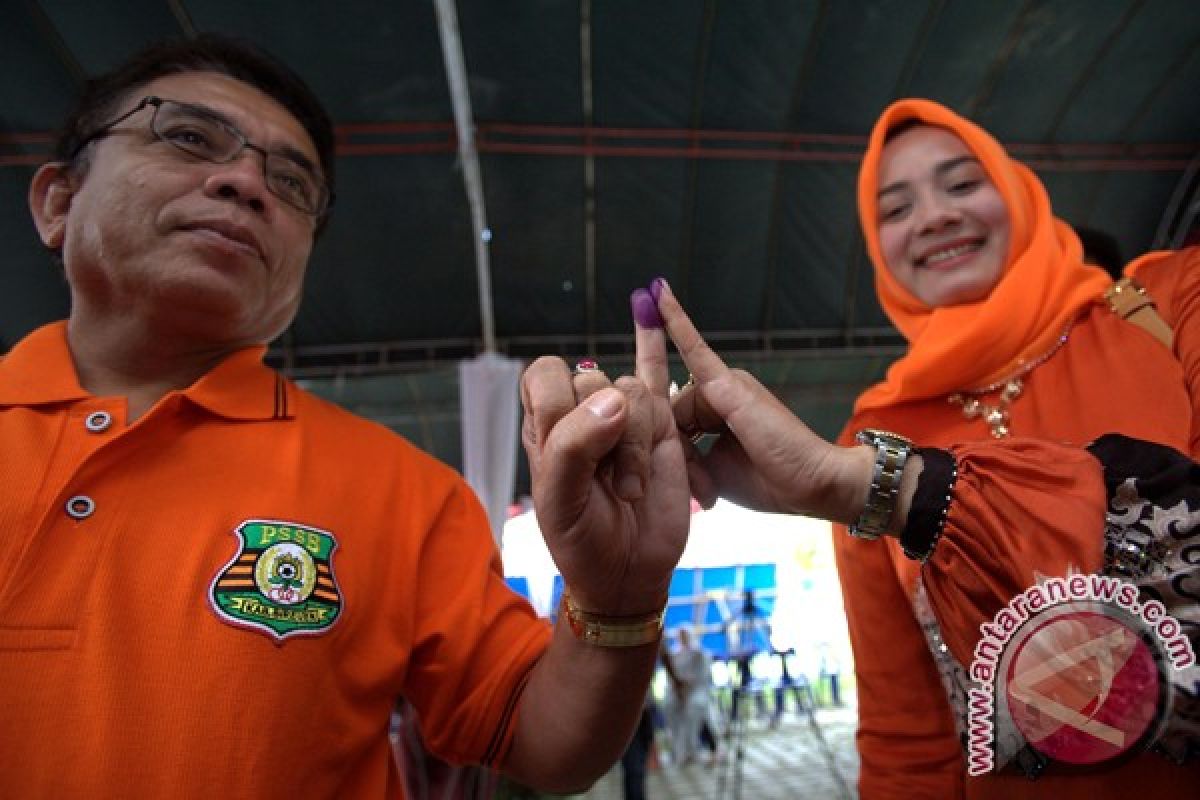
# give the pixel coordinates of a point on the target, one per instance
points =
(611, 496)
(609, 481)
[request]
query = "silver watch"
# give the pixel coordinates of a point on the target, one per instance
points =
(891, 454)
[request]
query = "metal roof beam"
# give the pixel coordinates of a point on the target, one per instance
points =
(1088, 73)
(183, 18)
(775, 223)
(464, 124)
(55, 42)
(683, 279)
(1136, 118)
(999, 63)
(589, 172)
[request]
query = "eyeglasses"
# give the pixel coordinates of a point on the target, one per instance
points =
(201, 133)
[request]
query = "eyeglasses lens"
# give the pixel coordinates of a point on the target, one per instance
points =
(212, 140)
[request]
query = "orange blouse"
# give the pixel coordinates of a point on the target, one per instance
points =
(1030, 506)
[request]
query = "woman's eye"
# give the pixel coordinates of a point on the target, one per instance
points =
(962, 187)
(892, 213)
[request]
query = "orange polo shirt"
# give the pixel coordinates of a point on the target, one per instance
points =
(225, 598)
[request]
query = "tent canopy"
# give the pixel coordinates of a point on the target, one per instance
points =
(713, 143)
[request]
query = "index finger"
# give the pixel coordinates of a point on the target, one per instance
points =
(702, 362)
(650, 344)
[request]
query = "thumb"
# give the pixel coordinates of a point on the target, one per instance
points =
(766, 429)
(746, 407)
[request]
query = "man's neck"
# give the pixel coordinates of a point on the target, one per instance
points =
(121, 358)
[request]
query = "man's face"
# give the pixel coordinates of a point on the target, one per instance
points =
(195, 249)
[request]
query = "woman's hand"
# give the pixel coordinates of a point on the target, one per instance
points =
(765, 458)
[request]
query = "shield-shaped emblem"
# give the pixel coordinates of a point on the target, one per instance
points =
(280, 581)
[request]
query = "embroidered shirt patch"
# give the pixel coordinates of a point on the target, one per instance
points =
(280, 581)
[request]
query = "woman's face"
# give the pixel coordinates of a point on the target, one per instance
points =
(943, 227)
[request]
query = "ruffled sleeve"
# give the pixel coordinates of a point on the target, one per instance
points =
(1021, 510)
(1174, 283)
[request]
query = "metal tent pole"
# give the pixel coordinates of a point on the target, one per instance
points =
(464, 123)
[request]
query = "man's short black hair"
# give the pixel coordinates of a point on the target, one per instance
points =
(102, 96)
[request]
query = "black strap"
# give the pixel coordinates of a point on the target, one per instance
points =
(931, 501)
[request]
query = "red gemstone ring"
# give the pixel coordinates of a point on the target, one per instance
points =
(585, 365)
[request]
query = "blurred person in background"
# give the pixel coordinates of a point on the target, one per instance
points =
(691, 696)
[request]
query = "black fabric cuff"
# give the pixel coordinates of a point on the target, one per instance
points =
(1153, 500)
(927, 516)
(1163, 475)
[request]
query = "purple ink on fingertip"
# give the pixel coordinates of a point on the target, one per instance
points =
(656, 288)
(645, 310)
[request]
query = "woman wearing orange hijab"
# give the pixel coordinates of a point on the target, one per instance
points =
(1017, 378)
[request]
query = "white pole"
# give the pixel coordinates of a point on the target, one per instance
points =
(464, 124)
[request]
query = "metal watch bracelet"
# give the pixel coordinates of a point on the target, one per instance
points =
(611, 631)
(891, 454)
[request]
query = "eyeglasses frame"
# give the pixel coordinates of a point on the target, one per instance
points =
(244, 144)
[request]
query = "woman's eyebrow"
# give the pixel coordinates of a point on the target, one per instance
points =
(939, 170)
(950, 164)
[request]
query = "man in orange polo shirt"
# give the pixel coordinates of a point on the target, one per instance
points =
(213, 584)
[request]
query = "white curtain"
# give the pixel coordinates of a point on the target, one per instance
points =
(489, 400)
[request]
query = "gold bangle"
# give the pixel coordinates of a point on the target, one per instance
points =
(606, 630)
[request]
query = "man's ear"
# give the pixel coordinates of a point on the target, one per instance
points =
(50, 195)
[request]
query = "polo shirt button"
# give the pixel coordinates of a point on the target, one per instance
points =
(80, 507)
(98, 421)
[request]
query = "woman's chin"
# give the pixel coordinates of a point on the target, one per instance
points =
(959, 288)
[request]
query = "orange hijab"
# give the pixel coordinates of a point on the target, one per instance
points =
(1045, 283)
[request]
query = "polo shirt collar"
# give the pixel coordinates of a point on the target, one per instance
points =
(242, 387)
(39, 370)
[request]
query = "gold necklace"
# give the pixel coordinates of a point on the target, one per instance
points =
(997, 415)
